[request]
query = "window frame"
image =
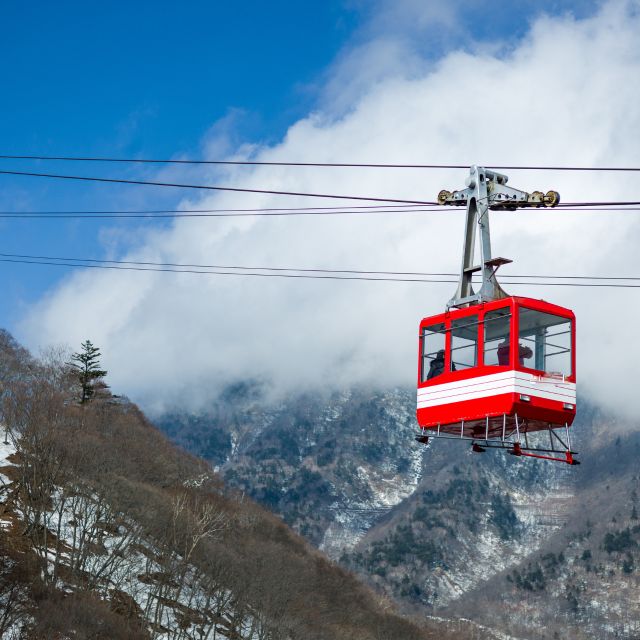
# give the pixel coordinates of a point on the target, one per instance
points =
(423, 371)
(479, 321)
(509, 305)
(570, 318)
(509, 315)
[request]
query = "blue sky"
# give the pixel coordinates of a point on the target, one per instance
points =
(152, 77)
(140, 79)
(159, 79)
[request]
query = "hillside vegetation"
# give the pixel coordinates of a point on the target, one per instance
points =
(109, 531)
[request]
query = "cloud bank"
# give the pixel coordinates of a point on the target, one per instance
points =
(567, 93)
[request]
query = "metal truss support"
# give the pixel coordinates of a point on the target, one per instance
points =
(486, 189)
(514, 438)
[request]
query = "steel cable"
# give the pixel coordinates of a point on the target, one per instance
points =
(366, 165)
(326, 274)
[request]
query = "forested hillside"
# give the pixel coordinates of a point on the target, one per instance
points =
(526, 547)
(108, 531)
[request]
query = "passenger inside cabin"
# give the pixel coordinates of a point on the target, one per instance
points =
(524, 352)
(437, 365)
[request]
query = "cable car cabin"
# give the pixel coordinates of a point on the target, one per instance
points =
(489, 366)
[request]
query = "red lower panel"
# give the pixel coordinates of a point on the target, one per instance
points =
(538, 409)
(545, 410)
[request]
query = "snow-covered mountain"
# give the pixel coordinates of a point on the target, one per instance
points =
(524, 547)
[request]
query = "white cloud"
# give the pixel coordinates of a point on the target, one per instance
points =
(567, 94)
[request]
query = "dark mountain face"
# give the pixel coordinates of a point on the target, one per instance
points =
(330, 467)
(528, 547)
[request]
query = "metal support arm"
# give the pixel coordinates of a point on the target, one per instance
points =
(486, 189)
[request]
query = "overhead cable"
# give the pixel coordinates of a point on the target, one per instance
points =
(259, 212)
(324, 274)
(209, 187)
(308, 270)
(272, 192)
(365, 165)
(360, 206)
(215, 213)
(221, 273)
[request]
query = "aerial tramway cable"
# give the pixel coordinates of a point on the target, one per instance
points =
(211, 187)
(205, 213)
(363, 165)
(271, 192)
(300, 269)
(323, 274)
(399, 206)
(160, 214)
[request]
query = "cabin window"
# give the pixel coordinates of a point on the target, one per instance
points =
(464, 343)
(545, 341)
(432, 357)
(496, 337)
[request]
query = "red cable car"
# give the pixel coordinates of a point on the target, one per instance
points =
(495, 369)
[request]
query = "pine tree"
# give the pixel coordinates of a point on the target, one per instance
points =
(86, 363)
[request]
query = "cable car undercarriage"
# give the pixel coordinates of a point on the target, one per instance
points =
(510, 433)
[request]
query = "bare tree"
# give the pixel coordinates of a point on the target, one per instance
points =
(192, 521)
